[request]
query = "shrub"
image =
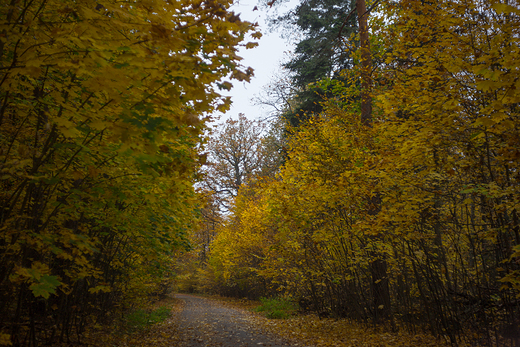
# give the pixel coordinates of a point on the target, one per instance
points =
(277, 308)
(141, 319)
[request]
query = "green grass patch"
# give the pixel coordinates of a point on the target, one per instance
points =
(277, 308)
(141, 319)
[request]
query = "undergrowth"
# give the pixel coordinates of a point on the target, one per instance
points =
(277, 308)
(141, 319)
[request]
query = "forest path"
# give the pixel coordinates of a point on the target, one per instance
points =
(207, 323)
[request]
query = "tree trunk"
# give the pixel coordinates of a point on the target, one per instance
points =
(366, 64)
(378, 266)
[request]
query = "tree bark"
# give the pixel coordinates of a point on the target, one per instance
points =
(378, 266)
(366, 63)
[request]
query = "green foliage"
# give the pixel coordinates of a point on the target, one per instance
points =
(321, 52)
(141, 319)
(277, 307)
(46, 285)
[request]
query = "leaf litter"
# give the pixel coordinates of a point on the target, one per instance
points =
(202, 329)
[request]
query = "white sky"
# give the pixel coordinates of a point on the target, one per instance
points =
(264, 59)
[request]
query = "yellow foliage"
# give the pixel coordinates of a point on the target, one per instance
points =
(421, 204)
(102, 109)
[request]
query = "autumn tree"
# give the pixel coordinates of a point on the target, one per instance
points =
(210, 220)
(438, 150)
(446, 97)
(241, 154)
(102, 109)
(237, 154)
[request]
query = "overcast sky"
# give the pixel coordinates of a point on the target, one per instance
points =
(264, 59)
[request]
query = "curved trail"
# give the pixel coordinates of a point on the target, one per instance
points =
(205, 322)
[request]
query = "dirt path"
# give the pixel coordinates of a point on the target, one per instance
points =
(205, 322)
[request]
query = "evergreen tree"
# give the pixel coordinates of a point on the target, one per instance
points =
(320, 53)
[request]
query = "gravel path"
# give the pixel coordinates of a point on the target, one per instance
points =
(205, 322)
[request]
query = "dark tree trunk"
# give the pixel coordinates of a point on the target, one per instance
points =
(378, 266)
